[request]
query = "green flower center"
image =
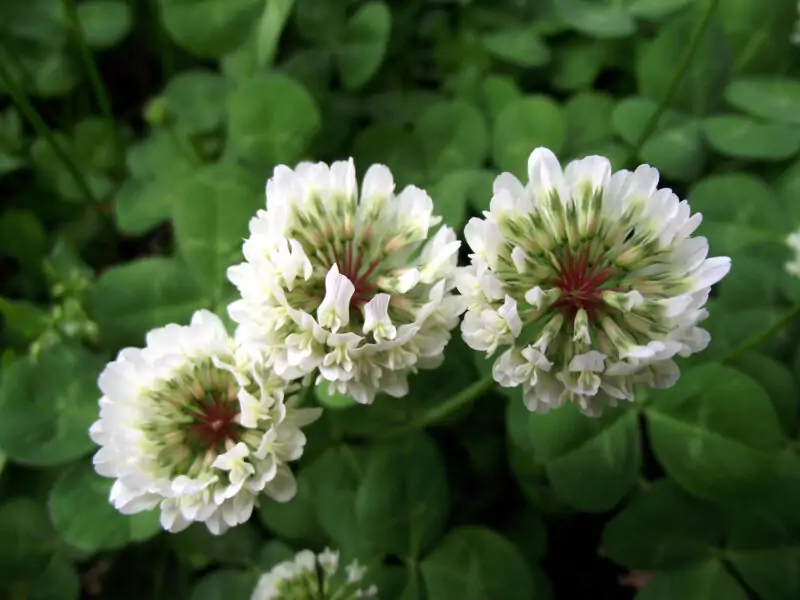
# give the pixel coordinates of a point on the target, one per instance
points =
(192, 418)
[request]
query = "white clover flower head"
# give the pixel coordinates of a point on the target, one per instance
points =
(194, 424)
(592, 281)
(793, 241)
(347, 282)
(313, 577)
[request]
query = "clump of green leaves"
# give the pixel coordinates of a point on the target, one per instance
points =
(135, 140)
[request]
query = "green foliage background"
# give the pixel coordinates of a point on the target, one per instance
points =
(135, 140)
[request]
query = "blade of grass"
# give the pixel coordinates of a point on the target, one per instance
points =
(675, 82)
(100, 92)
(29, 111)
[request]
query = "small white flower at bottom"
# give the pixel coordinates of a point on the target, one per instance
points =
(314, 577)
(592, 280)
(194, 424)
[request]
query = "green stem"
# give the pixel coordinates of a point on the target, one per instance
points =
(477, 389)
(756, 340)
(94, 75)
(22, 101)
(463, 398)
(677, 77)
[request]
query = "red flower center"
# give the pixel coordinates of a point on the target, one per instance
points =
(215, 421)
(350, 265)
(581, 283)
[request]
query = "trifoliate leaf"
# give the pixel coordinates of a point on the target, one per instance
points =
(210, 217)
(662, 528)
(455, 191)
(590, 463)
(497, 92)
(58, 580)
(751, 28)
(209, 28)
(742, 137)
(274, 552)
(589, 122)
(578, 62)
(454, 135)
(528, 469)
(321, 22)
(23, 237)
(196, 98)
(199, 548)
(472, 563)
(524, 125)
(701, 87)
(655, 9)
(271, 120)
(360, 50)
(295, 520)
(761, 544)
(519, 46)
(29, 539)
(132, 298)
(779, 383)
(335, 477)
(770, 98)
(632, 115)
(739, 210)
(756, 278)
(104, 23)
(91, 145)
(270, 27)
(232, 584)
(158, 165)
(34, 33)
(47, 406)
(715, 433)
(393, 146)
(596, 19)
(84, 517)
(403, 499)
(677, 152)
(529, 533)
(709, 580)
(22, 318)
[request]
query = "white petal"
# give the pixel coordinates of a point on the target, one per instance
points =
(509, 312)
(343, 178)
(376, 318)
(334, 311)
(594, 171)
(508, 183)
(591, 361)
(283, 487)
(544, 171)
(378, 181)
(710, 272)
(519, 257)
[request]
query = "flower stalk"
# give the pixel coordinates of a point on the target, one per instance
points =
(675, 82)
